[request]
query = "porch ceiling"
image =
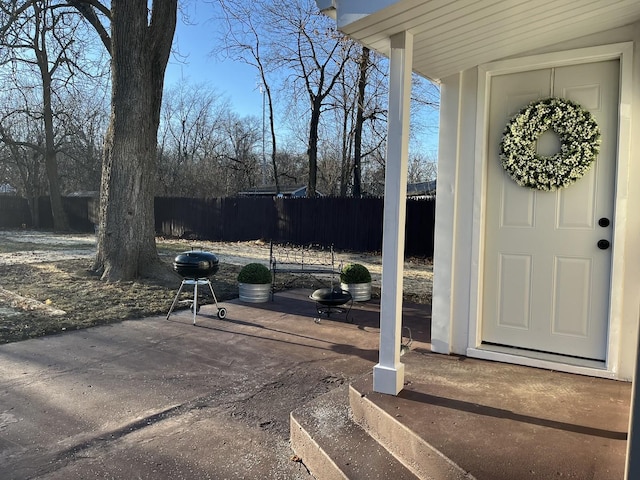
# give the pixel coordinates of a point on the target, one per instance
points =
(453, 35)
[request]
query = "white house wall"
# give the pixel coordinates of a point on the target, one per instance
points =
(454, 214)
(445, 261)
(632, 252)
(459, 215)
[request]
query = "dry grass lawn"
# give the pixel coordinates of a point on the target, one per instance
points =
(46, 286)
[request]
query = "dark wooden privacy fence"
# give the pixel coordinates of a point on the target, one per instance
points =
(218, 219)
(14, 212)
(346, 223)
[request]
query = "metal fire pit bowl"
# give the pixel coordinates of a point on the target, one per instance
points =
(330, 300)
(195, 264)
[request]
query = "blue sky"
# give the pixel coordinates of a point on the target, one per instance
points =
(234, 81)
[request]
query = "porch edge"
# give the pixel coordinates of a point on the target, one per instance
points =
(416, 454)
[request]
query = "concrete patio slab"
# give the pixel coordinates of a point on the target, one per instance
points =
(160, 399)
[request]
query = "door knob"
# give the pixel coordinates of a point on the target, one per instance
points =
(603, 244)
(604, 222)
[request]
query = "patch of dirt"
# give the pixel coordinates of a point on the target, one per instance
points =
(46, 286)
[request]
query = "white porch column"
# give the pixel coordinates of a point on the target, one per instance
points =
(388, 374)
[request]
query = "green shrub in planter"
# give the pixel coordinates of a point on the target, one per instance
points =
(255, 273)
(355, 273)
(356, 279)
(254, 283)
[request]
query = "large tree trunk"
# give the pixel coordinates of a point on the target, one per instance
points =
(34, 209)
(44, 30)
(139, 52)
(272, 129)
(60, 222)
(357, 156)
(312, 150)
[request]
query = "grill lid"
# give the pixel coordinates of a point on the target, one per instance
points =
(195, 264)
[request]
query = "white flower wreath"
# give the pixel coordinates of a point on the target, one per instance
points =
(579, 135)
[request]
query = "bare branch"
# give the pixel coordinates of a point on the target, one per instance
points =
(87, 9)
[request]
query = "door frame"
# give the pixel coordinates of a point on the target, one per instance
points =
(619, 51)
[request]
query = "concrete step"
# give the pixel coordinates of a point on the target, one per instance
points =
(333, 447)
(397, 438)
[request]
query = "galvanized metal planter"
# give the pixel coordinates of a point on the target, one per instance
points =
(254, 292)
(361, 292)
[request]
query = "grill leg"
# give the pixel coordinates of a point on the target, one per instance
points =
(215, 300)
(195, 296)
(222, 312)
(175, 300)
(195, 301)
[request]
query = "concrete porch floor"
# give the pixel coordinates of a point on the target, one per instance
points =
(492, 421)
(505, 422)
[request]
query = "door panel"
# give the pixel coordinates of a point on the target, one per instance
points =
(546, 283)
(571, 297)
(520, 213)
(577, 210)
(515, 291)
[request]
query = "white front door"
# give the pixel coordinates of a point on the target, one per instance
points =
(546, 282)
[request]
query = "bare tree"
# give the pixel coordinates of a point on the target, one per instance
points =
(85, 121)
(310, 47)
(422, 168)
(293, 167)
(363, 69)
(40, 41)
(358, 103)
(337, 139)
(205, 150)
(190, 138)
(22, 164)
(138, 35)
(244, 39)
(241, 164)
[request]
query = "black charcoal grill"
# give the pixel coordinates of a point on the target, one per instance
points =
(196, 264)
(195, 267)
